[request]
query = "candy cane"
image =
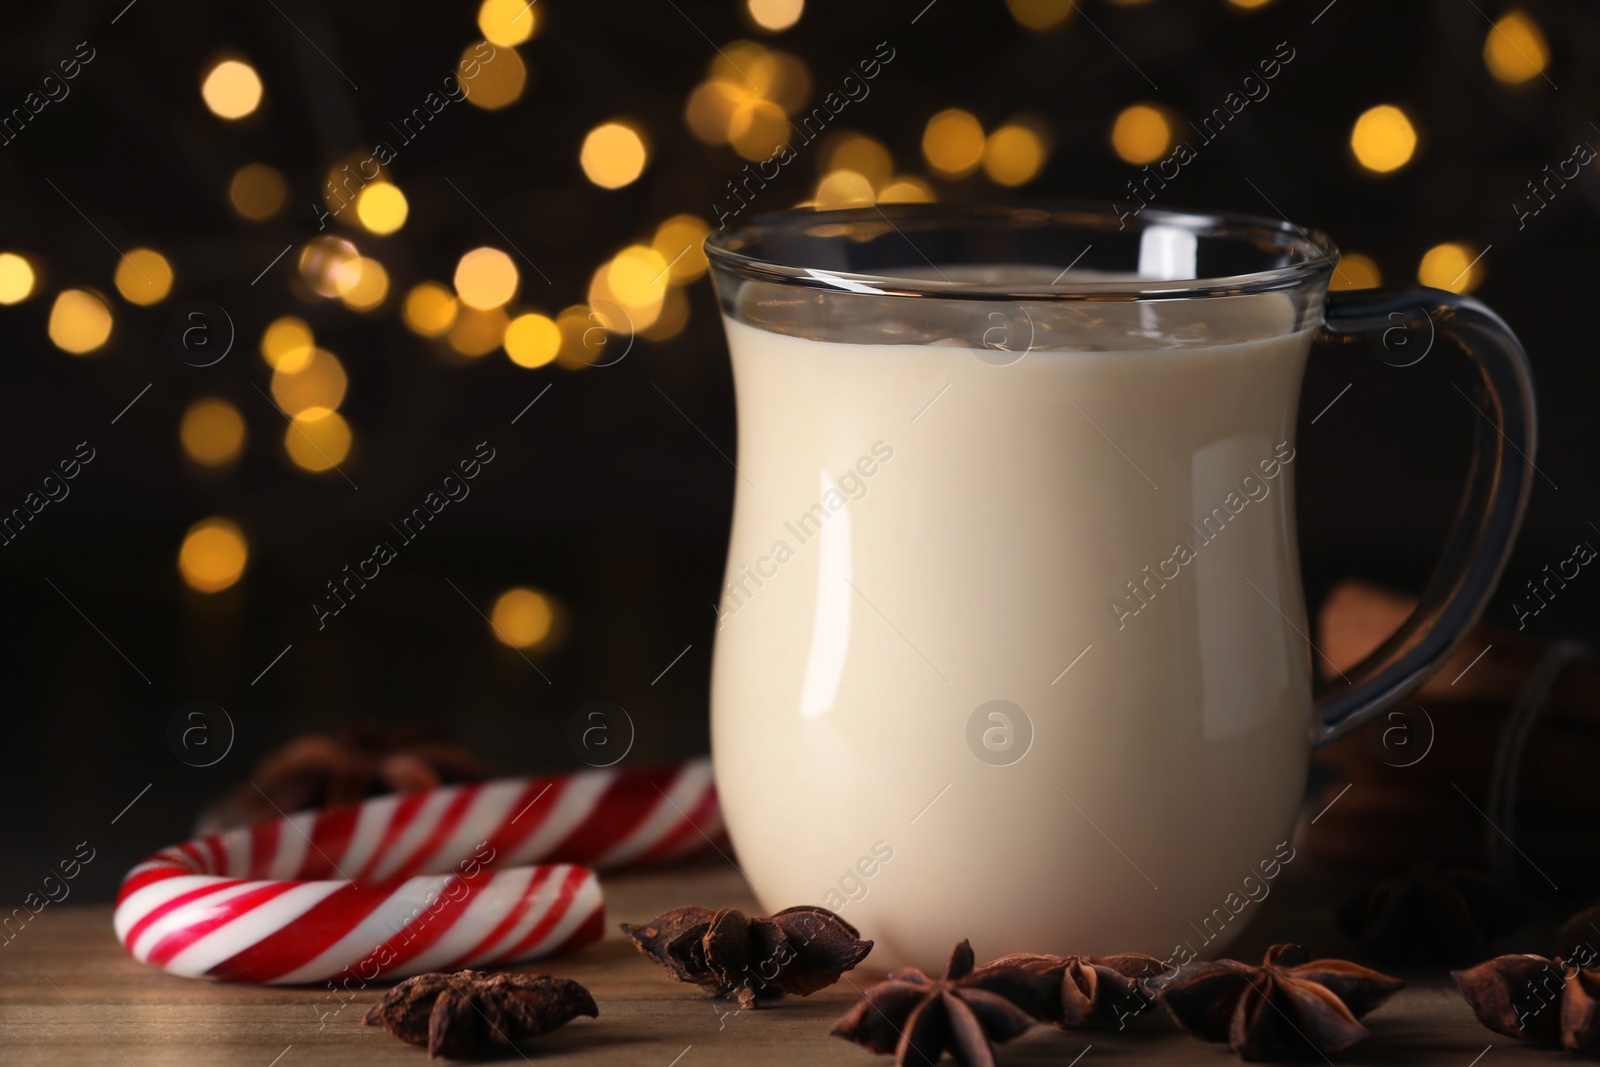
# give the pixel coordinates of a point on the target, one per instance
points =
(455, 877)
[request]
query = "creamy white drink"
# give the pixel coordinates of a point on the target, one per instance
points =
(1098, 532)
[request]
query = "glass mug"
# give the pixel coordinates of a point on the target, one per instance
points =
(1013, 645)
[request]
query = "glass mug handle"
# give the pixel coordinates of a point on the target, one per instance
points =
(1492, 506)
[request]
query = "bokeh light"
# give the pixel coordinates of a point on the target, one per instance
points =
(430, 309)
(1014, 154)
(320, 383)
(774, 16)
(585, 336)
(1249, 4)
(758, 128)
(952, 142)
(613, 155)
(500, 80)
(671, 320)
(1356, 271)
(1383, 139)
(841, 189)
(80, 321)
(257, 191)
(1515, 49)
(16, 278)
(286, 344)
(1455, 266)
(532, 340)
(486, 278)
(521, 617)
(381, 207)
(866, 156)
(1141, 134)
(329, 265)
(317, 439)
(681, 242)
(1040, 14)
(231, 89)
(213, 555)
(143, 276)
(365, 285)
(212, 432)
(906, 189)
(508, 22)
(477, 332)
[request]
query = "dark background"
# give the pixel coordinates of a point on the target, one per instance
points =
(603, 495)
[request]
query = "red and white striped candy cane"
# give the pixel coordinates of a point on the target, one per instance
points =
(461, 876)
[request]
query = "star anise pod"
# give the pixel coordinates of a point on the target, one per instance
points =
(1580, 935)
(799, 950)
(1429, 916)
(318, 771)
(1089, 991)
(919, 1018)
(1284, 1008)
(470, 1012)
(1537, 1000)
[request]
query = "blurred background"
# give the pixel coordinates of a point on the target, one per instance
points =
(271, 272)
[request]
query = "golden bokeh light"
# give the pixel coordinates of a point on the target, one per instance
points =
(80, 321)
(681, 241)
(613, 155)
(673, 318)
(500, 80)
(143, 277)
(1356, 271)
(365, 285)
(710, 109)
(231, 89)
(382, 208)
(286, 344)
(532, 340)
(212, 432)
(585, 336)
(16, 278)
(750, 65)
(257, 191)
(317, 439)
(1515, 49)
(906, 189)
(952, 142)
(638, 276)
(508, 22)
(1383, 139)
(213, 555)
(486, 278)
(329, 265)
(841, 189)
(1249, 4)
(864, 155)
(774, 16)
(1455, 266)
(1141, 134)
(320, 383)
(758, 128)
(477, 333)
(521, 617)
(1040, 14)
(430, 309)
(1014, 154)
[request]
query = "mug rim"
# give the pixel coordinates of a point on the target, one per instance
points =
(1316, 252)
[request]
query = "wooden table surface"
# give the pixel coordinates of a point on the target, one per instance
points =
(69, 994)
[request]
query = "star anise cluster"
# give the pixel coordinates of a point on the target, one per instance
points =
(472, 1012)
(318, 771)
(1427, 916)
(919, 1018)
(1538, 1000)
(1285, 1008)
(799, 950)
(1090, 991)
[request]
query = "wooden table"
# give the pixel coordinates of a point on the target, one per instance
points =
(69, 994)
